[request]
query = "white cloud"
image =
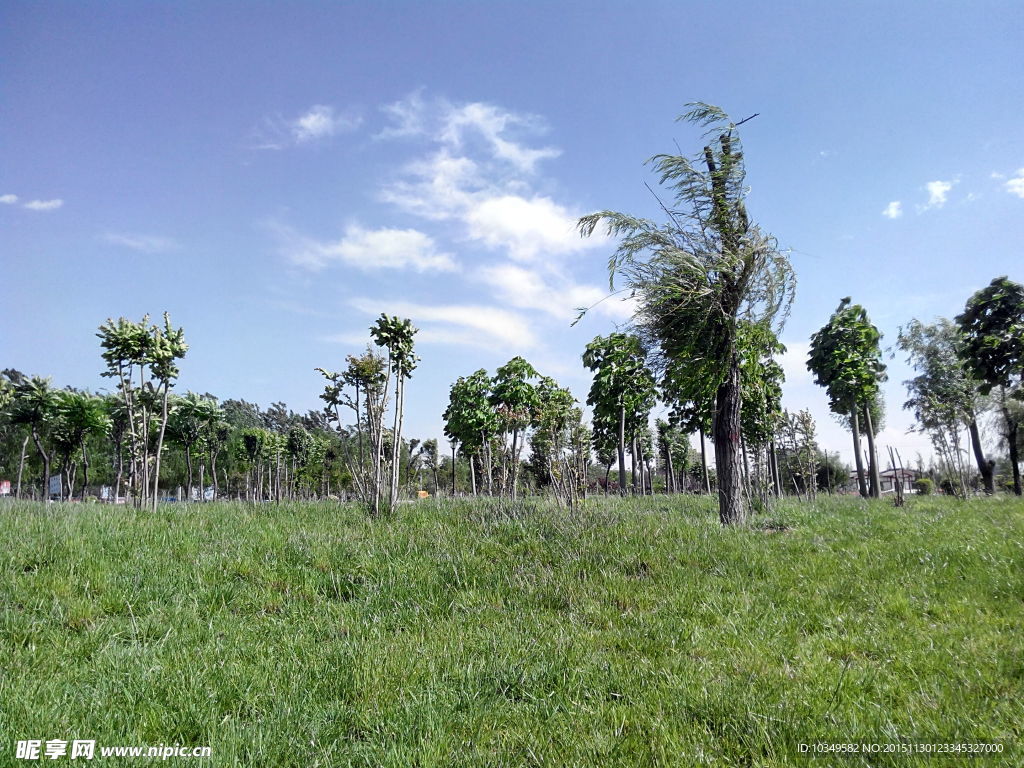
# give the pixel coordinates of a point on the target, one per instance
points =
(44, 205)
(463, 325)
(319, 122)
(491, 123)
(8, 199)
(893, 210)
(466, 128)
(938, 192)
(367, 249)
(438, 187)
(552, 293)
(526, 228)
(141, 243)
(1015, 186)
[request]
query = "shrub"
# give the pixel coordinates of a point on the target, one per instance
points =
(923, 486)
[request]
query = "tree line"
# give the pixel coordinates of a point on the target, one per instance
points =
(712, 293)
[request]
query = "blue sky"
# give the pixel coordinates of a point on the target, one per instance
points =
(276, 174)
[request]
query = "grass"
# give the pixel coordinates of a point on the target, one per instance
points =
(637, 632)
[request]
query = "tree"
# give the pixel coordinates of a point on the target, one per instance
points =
(470, 423)
(35, 406)
(697, 275)
(371, 376)
(846, 359)
(992, 325)
(151, 352)
(190, 418)
(942, 396)
(79, 416)
(560, 437)
(515, 400)
(621, 393)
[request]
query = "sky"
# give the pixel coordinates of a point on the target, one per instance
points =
(276, 175)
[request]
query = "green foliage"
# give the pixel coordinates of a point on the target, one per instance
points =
(992, 325)
(469, 419)
(846, 358)
(622, 380)
(761, 384)
(924, 486)
(696, 277)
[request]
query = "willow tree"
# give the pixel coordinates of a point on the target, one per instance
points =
(698, 274)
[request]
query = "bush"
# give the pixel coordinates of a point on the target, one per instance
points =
(923, 486)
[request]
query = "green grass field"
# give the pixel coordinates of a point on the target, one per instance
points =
(635, 632)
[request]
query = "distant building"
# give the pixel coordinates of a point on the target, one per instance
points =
(889, 478)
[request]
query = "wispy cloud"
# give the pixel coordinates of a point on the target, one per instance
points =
(552, 293)
(893, 210)
(8, 199)
(141, 243)
(318, 123)
(406, 117)
(44, 205)
(366, 249)
(458, 324)
(1015, 185)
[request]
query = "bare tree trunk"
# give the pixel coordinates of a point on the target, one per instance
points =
(21, 465)
(622, 450)
(188, 464)
(726, 428)
(985, 467)
(515, 463)
(704, 462)
(85, 471)
(862, 485)
(46, 463)
(453, 469)
(876, 483)
(472, 473)
(1012, 428)
(632, 464)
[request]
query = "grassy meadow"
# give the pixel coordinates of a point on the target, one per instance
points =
(635, 632)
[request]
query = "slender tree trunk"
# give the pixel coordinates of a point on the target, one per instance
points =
(876, 483)
(704, 463)
(1012, 428)
(453, 469)
(472, 473)
(632, 465)
(773, 469)
(85, 471)
(726, 428)
(862, 485)
(21, 465)
(46, 463)
(622, 450)
(515, 463)
(985, 467)
(670, 475)
(188, 464)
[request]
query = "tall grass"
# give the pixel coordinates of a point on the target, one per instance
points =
(633, 632)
